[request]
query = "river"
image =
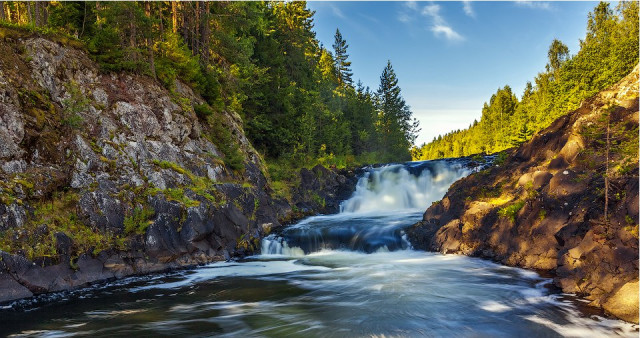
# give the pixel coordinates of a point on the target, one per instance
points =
(344, 275)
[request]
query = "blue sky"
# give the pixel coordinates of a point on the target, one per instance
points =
(450, 57)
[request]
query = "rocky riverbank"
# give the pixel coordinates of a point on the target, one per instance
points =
(110, 175)
(543, 207)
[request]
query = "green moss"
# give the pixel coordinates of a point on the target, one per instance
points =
(511, 211)
(177, 195)
(629, 219)
(37, 238)
(201, 186)
(111, 163)
(173, 166)
(319, 200)
(139, 221)
(542, 214)
(17, 31)
(24, 183)
(248, 242)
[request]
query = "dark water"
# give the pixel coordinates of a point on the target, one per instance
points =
(349, 274)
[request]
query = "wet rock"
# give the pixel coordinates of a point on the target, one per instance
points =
(10, 289)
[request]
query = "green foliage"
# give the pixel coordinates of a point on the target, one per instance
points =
(37, 239)
(629, 220)
(258, 59)
(607, 54)
(139, 221)
(223, 138)
(173, 166)
(501, 158)
(75, 104)
(318, 200)
(203, 111)
(511, 211)
(542, 214)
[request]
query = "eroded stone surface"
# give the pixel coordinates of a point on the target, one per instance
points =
(559, 226)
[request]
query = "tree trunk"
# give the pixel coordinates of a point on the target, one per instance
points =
(18, 13)
(152, 66)
(606, 172)
(2, 16)
(132, 36)
(196, 27)
(38, 18)
(185, 22)
(98, 14)
(174, 16)
(29, 13)
(160, 21)
(45, 13)
(204, 32)
(84, 18)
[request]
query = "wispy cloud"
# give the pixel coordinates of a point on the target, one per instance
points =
(447, 32)
(468, 9)
(411, 5)
(404, 17)
(534, 4)
(337, 12)
(432, 10)
(439, 26)
(370, 18)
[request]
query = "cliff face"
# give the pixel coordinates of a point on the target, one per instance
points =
(543, 208)
(108, 175)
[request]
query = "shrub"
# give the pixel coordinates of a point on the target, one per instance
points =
(511, 211)
(203, 110)
(139, 221)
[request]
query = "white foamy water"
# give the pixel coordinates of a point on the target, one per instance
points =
(394, 187)
(345, 275)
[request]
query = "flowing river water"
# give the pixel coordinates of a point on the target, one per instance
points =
(344, 275)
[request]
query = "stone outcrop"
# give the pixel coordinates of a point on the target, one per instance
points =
(108, 175)
(543, 207)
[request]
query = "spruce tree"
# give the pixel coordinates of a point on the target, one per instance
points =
(343, 67)
(398, 127)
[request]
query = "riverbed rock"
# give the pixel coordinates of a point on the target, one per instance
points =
(543, 208)
(104, 176)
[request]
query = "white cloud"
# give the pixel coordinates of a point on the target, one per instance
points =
(534, 4)
(404, 17)
(337, 12)
(411, 5)
(447, 32)
(439, 27)
(432, 10)
(468, 9)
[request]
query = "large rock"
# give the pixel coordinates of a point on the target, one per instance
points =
(137, 171)
(543, 209)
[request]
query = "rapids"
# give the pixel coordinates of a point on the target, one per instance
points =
(349, 274)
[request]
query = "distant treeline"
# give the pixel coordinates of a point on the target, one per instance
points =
(607, 54)
(259, 59)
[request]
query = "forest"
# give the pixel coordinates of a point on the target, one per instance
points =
(608, 53)
(298, 100)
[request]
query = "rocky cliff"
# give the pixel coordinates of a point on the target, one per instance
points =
(543, 207)
(108, 175)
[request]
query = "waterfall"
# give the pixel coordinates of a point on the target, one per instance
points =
(403, 186)
(386, 200)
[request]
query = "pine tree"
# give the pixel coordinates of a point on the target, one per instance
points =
(398, 127)
(343, 67)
